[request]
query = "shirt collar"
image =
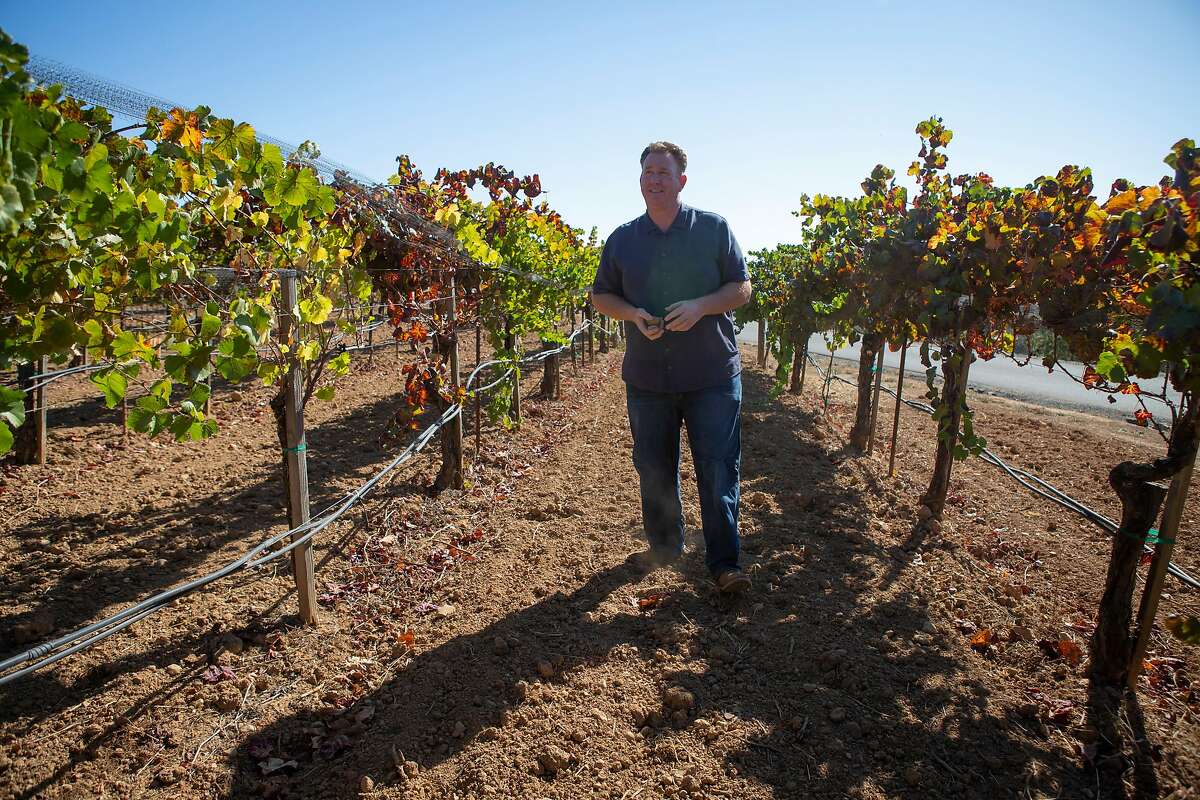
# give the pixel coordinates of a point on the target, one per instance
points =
(646, 225)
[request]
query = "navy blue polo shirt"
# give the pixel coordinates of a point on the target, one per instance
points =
(652, 268)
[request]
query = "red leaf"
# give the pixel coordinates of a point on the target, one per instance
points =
(1065, 649)
(216, 674)
(650, 601)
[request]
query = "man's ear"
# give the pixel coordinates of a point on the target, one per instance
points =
(682, 181)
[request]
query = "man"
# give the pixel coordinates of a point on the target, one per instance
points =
(674, 275)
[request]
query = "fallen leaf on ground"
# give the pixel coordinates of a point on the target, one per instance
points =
(982, 640)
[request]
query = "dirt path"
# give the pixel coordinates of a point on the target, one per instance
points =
(497, 644)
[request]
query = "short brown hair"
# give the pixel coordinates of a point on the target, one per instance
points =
(666, 147)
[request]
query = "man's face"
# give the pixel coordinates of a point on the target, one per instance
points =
(661, 181)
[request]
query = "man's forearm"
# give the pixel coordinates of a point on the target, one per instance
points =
(727, 298)
(614, 306)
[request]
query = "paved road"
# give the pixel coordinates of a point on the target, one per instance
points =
(1003, 377)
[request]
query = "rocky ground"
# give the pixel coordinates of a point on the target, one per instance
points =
(496, 642)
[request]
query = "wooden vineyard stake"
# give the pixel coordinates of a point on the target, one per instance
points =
(516, 391)
(30, 444)
(829, 377)
(451, 476)
(551, 388)
(875, 398)
(591, 332)
(456, 379)
(803, 369)
(762, 342)
(297, 456)
(896, 415)
(478, 402)
(39, 416)
(125, 418)
(1167, 534)
(510, 344)
(574, 362)
(370, 334)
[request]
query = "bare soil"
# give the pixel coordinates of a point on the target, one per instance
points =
(497, 643)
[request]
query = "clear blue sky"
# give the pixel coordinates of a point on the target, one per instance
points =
(770, 100)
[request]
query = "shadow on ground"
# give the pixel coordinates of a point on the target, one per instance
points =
(829, 663)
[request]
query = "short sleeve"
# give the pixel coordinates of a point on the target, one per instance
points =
(608, 275)
(733, 263)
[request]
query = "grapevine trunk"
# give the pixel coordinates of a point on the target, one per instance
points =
(861, 431)
(955, 363)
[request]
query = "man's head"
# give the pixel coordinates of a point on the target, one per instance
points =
(663, 166)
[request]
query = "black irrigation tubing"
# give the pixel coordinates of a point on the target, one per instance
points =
(1036, 485)
(45, 654)
(47, 378)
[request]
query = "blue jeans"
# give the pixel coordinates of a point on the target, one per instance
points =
(714, 426)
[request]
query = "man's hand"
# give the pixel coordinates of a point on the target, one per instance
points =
(650, 325)
(683, 315)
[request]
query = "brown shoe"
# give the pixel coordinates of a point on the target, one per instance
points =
(733, 581)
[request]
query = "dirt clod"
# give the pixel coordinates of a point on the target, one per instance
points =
(553, 759)
(679, 699)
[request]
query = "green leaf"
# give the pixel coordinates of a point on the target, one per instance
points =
(340, 364)
(126, 345)
(140, 419)
(99, 172)
(294, 187)
(95, 333)
(6, 438)
(325, 393)
(210, 325)
(229, 140)
(71, 132)
(268, 373)
(151, 402)
(113, 383)
(161, 389)
(1109, 366)
(12, 406)
(200, 394)
(255, 322)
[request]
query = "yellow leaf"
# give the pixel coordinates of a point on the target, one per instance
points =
(182, 128)
(1088, 237)
(186, 175)
(1122, 202)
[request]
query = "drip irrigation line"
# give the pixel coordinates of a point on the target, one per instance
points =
(46, 378)
(1036, 485)
(83, 638)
